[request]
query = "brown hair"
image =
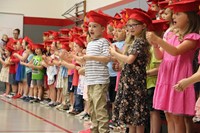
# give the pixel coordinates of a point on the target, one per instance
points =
(193, 24)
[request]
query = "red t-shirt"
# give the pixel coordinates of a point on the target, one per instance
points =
(14, 60)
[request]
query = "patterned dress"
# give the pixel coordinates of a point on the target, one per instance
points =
(130, 106)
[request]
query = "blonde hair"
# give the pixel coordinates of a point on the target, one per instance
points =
(129, 42)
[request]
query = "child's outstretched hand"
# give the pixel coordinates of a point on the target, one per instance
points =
(181, 85)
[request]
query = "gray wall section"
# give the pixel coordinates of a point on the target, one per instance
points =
(35, 32)
(136, 4)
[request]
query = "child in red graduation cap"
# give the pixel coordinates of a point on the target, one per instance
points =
(27, 57)
(51, 71)
(177, 54)
(4, 74)
(37, 72)
(131, 95)
(119, 35)
(96, 71)
(21, 70)
(159, 26)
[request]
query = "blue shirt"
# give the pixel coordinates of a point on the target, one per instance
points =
(112, 73)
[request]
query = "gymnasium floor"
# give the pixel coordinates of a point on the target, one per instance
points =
(17, 116)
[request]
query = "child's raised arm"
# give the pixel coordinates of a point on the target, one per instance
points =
(121, 57)
(183, 47)
(26, 64)
(21, 58)
(67, 64)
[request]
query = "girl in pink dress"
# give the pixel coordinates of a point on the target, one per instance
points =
(184, 83)
(177, 54)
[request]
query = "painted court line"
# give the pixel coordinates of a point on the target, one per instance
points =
(51, 123)
(28, 131)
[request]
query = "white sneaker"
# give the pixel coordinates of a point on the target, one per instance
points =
(70, 110)
(195, 119)
(81, 114)
(86, 117)
(9, 96)
(58, 106)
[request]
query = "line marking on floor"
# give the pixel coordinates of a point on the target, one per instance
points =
(49, 122)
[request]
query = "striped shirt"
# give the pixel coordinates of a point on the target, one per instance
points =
(97, 72)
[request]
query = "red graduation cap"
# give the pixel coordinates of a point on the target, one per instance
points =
(48, 43)
(152, 13)
(111, 23)
(139, 15)
(124, 15)
(117, 16)
(71, 39)
(79, 30)
(55, 34)
(45, 33)
(154, 1)
(83, 37)
(160, 25)
(74, 30)
(185, 6)
(50, 31)
(62, 40)
(163, 4)
(99, 18)
(38, 46)
(65, 46)
(64, 31)
(30, 45)
(79, 41)
(120, 25)
(27, 39)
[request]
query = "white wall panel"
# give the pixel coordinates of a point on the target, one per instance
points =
(54, 8)
(47, 8)
(35, 8)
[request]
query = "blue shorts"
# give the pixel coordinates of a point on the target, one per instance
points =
(28, 78)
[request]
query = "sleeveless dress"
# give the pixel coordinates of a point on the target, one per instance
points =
(4, 74)
(171, 70)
